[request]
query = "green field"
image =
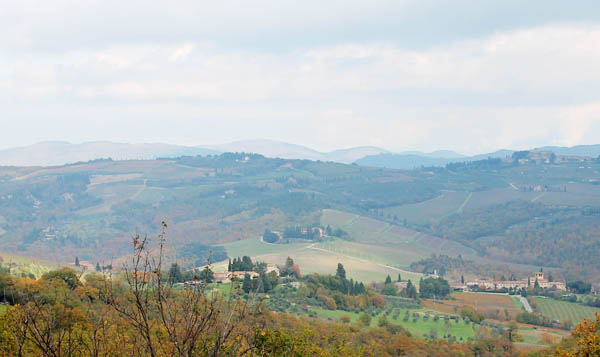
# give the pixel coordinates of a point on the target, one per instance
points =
(484, 199)
(374, 250)
(419, 329)
(563, 310)
(413, 245)
(318, 258)
(517, 302)
(447, 203)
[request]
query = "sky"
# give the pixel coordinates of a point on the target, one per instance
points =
(470, 76)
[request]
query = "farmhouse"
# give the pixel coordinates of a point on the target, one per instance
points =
(272, 267)
(517, 284)
(241, 274)
(401, 285)
(222, 276)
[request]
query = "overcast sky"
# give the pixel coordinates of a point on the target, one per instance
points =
(471, 76)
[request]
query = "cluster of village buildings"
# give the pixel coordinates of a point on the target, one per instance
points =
(530, 282)
(228, 276)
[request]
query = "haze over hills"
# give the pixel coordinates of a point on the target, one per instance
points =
(274, 148)
(51, 153)
(411, 159)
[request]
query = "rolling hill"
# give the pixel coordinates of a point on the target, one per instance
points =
(482, 210)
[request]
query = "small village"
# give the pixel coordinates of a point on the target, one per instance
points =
(537, 280)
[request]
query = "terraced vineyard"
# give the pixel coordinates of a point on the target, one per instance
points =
(563, 310)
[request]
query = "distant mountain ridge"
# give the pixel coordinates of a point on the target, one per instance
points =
(52, 153)
(274, 148)
(411, 159)
(579, 150)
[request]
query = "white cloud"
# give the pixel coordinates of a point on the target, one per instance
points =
(514, 88)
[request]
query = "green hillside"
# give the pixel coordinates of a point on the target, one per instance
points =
(485, 210)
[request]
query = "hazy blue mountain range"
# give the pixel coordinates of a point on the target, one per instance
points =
(51, 153)
(411, 159)
(274, 148)
(579, 150)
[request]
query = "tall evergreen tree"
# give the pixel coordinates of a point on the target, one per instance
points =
(388, 280)
(76, 261)
(247, 284)
(207, 275)
(265, 283)
(175, 275)
(340, 272)
(399, 278)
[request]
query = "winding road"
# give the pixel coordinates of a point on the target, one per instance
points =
(525, 303)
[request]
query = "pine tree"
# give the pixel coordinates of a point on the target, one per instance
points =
(388, 280)
(399, 278)
(76, 261)
(229, 265)
(462, 279)
(98, 266)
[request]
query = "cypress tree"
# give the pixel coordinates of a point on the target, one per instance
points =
(341, 272)
(247, 284)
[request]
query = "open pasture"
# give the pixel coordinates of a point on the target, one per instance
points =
(395, 256)
(563, 310)
(312, 258)
(325, 262)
